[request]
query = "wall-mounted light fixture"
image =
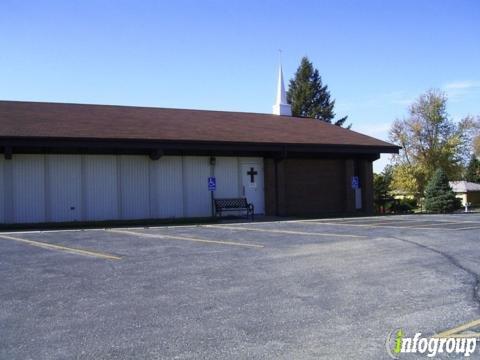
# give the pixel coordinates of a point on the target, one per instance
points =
(213, 160)
(156, 154)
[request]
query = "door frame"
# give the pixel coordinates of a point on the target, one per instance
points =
(258, 163)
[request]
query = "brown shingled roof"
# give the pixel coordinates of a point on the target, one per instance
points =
(59, 120)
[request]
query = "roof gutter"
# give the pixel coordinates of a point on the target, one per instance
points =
(12, 145)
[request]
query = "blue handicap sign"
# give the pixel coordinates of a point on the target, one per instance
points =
(212, 183)
(355, 182)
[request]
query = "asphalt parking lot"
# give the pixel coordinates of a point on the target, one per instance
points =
(306, 289)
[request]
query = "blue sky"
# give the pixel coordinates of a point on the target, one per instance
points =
(375, 56)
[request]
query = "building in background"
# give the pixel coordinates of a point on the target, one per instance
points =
(468, 192)
(73, 162)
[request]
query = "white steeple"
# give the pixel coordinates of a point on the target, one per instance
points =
(281, 106)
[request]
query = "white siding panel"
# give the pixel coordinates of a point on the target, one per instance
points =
(226, 173)
(101, 187)
(64, 187)
(134, 177)
(167, 187)
(196, 170)
(28, 188)
(2, 191)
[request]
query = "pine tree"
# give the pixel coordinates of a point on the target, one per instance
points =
(309, 97)
(439, 196)
(473, 170)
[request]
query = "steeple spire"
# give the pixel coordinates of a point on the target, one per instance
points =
(281, 106)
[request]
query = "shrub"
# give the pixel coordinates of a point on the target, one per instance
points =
(439, 197)
(404, 206)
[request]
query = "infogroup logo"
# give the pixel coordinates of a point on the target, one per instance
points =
(397, 344)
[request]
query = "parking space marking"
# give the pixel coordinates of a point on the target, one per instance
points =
(370, 221)
(333, 220)
(290, 232)
(386, 219)
(392, 227)
(387, 222)
(378, 223)
(76, 251)
(364, 220)
(441, 224)
(468, 228)
(185, 238)
(454, 331)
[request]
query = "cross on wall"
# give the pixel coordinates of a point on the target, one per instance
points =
(252, 174)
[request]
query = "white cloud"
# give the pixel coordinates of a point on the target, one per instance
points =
(459, 90)
(462, 85)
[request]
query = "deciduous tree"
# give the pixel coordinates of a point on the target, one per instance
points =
(430, 140)
(476, 145)
(472, 172)
(406, 180)
(381, 188)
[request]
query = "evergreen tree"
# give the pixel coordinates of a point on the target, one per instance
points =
(309, 97)
(439, 196)
(473, 170)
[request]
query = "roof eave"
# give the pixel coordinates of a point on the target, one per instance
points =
(91, 145)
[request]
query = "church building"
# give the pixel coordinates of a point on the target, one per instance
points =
(74, 162)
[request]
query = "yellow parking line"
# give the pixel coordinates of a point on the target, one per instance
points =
(291, 232)
(62, 248)
(460, 336)
(184, 238)
(451, 332)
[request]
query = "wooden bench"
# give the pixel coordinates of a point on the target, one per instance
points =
(237, 204)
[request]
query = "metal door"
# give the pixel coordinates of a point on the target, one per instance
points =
(252, 185)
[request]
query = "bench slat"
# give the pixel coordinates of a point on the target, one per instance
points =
(233, 204)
